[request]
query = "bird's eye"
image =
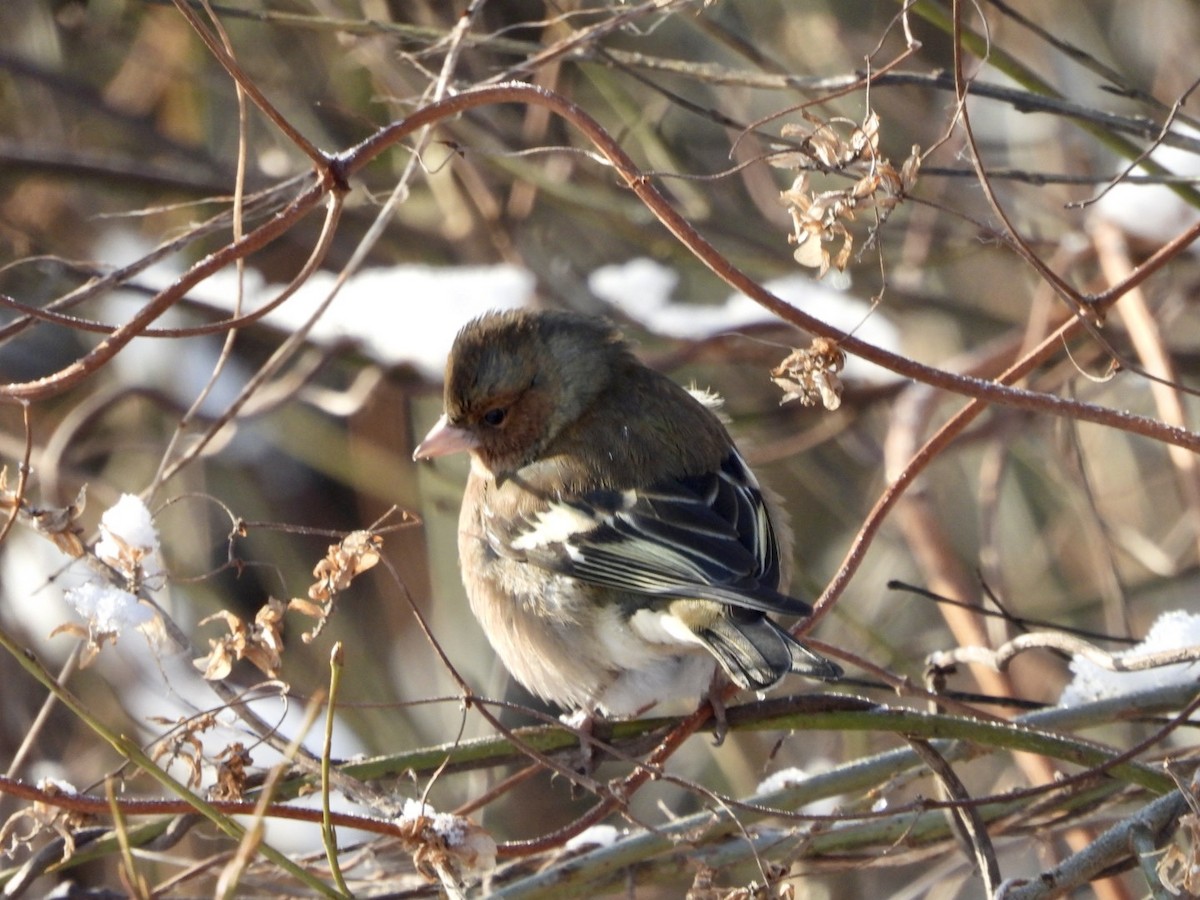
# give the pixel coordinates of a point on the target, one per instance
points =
(494, 417)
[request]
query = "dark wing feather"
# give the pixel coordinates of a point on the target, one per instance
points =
(756, 653)
(704, 537)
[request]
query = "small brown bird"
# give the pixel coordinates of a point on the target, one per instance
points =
(613, 541)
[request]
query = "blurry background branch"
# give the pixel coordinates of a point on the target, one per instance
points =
(262, 393)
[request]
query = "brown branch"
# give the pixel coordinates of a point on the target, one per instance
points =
(350, 162)
(965, 819)
(17, 499)
(999, 658)
(246, 83)
(99, 806)
(73, 374)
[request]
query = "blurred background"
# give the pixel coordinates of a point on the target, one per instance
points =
(120, 141)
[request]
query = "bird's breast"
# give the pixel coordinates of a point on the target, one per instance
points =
(569, 642)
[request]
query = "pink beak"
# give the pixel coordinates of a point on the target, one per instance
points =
(444, 439)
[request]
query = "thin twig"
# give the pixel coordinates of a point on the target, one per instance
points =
(1000, 657)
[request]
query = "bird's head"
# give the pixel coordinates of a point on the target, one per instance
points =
(515, 379)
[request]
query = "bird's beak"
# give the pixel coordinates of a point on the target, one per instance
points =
(444, 439)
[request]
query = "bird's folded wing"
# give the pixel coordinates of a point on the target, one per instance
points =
(704, 537)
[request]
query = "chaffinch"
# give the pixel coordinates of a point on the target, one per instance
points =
(613, 541)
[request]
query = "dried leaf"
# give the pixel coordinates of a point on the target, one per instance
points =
(260, 644)
(810, 253)
(93, 641)
(59, 525)
(1179, 868)
(358, 552)
(451, 849)
(306, 607)
(821, 217)
(231, 772)
(127, 559)
(182, 744)
(810, 375)
(129, 544)
(8, 499)
(345, 561)
(41, 817)
(910, 169)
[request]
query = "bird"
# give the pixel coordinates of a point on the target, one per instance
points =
(614, 545)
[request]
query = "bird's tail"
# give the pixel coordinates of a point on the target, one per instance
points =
(756, 653)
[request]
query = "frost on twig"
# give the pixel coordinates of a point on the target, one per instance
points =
(449, 848)
(129, 544)
(1167, 655)
(107, 599)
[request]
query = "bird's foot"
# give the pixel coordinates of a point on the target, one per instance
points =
(717, 702)
(591, 727)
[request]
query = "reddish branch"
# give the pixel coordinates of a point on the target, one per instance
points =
(334, 172)
(338, 169)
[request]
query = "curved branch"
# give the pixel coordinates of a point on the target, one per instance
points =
(346, 164)
(978, 388)
(69, 376)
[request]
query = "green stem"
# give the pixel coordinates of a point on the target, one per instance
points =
(130, 750)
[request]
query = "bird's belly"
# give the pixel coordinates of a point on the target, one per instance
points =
(557, 642)
(680, 677)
